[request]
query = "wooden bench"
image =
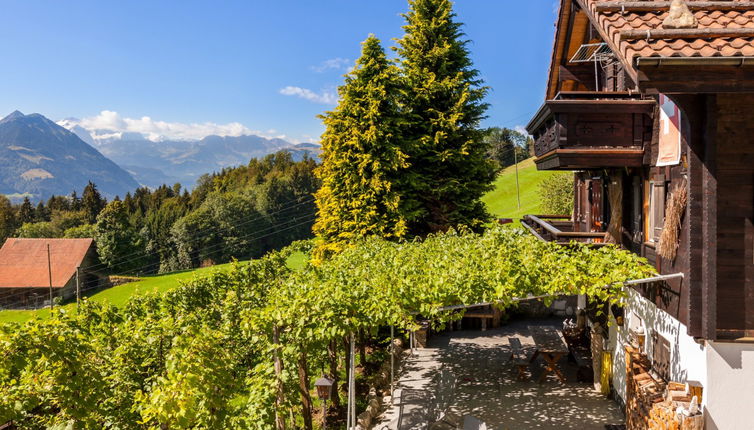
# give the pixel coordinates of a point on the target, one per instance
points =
(518, 357)
(583, 359)
(484, 316)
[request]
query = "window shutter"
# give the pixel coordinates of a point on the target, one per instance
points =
(657, 209)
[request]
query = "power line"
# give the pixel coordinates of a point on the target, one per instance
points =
(308, 219)
(207, 232)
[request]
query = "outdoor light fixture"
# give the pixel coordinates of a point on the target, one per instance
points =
(324, 391)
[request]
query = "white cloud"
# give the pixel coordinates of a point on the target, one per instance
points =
(343, 64)
(110, 124)
(521, 129)
(325, 97)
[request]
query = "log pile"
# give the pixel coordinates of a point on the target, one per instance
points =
(651, 403)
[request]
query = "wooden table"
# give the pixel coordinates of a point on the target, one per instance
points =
(551, 346)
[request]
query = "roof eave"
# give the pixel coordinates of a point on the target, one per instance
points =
(659, 61)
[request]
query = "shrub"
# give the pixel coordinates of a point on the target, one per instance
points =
(557, 194)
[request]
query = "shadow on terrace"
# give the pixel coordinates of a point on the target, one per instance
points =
(469, 373)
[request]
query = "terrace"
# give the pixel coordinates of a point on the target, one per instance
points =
(560, 229)
(484, 384)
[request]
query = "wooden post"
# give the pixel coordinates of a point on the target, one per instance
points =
(279, 420)
(392, 363)
(351, 413)
(518, 190)
(332, 351)
(49, 273)
(303, 380)
(78, 286)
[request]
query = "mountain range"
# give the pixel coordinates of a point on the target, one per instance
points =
(39, 158)
(167, 161)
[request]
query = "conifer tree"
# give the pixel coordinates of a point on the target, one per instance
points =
(362, 155)
(92, 202)
(443, 102)
(26, 211)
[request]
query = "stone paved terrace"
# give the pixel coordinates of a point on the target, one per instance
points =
(487, 387)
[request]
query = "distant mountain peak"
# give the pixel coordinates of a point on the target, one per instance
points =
(16, 114)
(39, 158)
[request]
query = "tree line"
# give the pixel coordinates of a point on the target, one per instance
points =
(240, 212)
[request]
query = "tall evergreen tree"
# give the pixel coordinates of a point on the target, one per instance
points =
(92, 202)
(362, 155)
(41, 213)
(75, 201)
(7, 219)
(443, 102)
(26, 211)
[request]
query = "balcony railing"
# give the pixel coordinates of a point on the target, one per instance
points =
(559, 228)
(582, 130)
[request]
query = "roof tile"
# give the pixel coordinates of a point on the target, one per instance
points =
(615, 22)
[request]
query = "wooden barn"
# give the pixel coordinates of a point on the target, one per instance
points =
(26, 276)
(651, 104)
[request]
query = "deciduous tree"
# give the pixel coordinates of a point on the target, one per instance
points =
(117, 241)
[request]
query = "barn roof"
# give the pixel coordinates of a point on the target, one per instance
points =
(23, 262)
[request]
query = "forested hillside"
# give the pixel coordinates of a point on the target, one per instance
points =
(240, 212)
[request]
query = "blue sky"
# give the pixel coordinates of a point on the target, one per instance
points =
(239, 66)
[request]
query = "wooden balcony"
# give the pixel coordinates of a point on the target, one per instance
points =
(559, 228)
(586, 130)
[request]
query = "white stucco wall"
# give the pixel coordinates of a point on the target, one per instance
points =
(729, 393)
(688, 359)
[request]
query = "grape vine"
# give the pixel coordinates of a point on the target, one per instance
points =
(204, 354)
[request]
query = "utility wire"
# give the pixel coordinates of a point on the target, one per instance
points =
(207, 232)
(307, 219)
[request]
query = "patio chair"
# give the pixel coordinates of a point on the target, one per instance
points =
(519, 357)
(438, 416)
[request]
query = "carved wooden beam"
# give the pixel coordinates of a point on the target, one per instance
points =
(661, 6)
(686, 33)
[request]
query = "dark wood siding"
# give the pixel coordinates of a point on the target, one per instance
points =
(735, 210)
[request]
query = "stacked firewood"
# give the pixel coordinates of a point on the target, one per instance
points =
(677, 411)
(642, 390)
(653, 404)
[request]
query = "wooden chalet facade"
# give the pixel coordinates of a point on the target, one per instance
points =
(657, 123)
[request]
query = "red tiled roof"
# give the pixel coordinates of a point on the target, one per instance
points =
(612, 23)
(23, 262)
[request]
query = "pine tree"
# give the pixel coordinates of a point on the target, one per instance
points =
(7, 219)
(41, 213)
(26, 211)
(75, 201)
(362, 155)
(443, 103)
(92, 202)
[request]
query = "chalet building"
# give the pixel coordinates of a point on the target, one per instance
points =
(25, 276)
(651, 104)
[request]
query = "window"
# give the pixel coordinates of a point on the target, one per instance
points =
(656, 209)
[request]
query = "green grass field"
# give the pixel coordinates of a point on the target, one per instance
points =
(119, 295)
(502, 202)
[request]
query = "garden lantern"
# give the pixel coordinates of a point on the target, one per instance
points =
(324, 390)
